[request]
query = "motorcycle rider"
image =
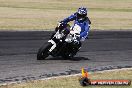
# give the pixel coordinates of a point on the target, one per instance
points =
(80, 18)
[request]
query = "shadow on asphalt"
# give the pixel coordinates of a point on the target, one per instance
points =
(71, 59)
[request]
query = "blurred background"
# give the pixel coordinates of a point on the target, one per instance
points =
(44, 14)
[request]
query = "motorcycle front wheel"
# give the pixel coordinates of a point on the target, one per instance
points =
(43, 52)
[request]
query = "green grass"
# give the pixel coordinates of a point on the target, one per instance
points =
(72, 82)
(44, 14)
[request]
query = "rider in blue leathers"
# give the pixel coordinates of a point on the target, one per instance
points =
(80, 18)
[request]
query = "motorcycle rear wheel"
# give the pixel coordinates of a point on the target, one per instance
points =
(43, 52)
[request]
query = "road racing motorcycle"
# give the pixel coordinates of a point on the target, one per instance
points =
(63, 43)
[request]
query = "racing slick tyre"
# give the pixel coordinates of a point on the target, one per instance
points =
(43, 52)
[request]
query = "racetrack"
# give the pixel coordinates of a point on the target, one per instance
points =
(102, 51)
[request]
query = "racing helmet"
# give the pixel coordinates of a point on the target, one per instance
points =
(81, 13)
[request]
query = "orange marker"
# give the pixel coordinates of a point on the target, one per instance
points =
(84, 73)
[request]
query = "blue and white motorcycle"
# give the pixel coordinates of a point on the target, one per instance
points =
(64, 42)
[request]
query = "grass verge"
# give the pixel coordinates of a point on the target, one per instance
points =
(72, 82)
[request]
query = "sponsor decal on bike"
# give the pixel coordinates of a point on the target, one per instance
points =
(54, 45)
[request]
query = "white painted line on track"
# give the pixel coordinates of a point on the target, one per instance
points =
(64, 76)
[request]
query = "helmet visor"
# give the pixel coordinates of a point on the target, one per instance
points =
(81, 16)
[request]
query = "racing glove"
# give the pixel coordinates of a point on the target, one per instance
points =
(61, 24)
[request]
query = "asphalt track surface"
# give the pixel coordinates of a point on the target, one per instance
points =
(103, 50)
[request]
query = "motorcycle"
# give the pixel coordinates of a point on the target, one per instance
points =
(63, 43)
